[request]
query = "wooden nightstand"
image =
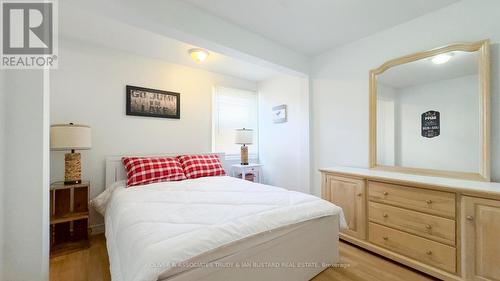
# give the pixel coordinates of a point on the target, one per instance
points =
(69, 217)
(241, 171)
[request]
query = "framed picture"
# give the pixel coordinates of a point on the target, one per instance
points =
(431, 126)
(152, 103)
(279, 114)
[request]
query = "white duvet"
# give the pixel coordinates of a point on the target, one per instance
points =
(150, 228)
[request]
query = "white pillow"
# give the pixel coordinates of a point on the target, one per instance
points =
(101, 201)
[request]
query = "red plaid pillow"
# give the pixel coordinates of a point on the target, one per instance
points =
(143, 170)
(197, 166)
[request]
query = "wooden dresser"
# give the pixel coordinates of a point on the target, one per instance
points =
(445, 227)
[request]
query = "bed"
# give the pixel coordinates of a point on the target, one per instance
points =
(216, 228)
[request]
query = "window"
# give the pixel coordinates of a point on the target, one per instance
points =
(233, 109)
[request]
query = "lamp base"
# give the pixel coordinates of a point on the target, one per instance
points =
(244, 155)
(72, 168)
(72, 182)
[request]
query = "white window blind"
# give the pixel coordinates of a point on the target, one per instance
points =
(233, 109)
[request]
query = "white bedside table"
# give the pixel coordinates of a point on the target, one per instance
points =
(255, 169)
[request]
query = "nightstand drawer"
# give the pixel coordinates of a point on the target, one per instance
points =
(421, 249)
(432, 227)
(418, 199)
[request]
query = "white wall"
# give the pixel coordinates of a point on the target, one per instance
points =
(457, 148)
(2, 166)
(399, 140)
(284, 147)
(340, 79)
(386, 129)
(26, 225)
(89, 88)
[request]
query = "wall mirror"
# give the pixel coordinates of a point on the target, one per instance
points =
(429, 113)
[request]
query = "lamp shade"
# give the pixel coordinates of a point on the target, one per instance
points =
(70, 136)
(244, 136)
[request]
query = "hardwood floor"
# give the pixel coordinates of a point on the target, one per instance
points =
(92, 265)
(363, 265)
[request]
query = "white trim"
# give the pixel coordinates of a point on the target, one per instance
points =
(97, 229)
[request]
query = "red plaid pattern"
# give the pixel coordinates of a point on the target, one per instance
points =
(144, 170)
(197, 166)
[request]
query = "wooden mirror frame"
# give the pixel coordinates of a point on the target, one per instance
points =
(484, 94)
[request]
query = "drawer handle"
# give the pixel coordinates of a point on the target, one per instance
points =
(469, 218)
(428, 226)
(385, 215)
(429, 201)
(429, 252)
(385, 238)
(386, 193)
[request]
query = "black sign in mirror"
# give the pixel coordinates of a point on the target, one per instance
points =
(431, 126)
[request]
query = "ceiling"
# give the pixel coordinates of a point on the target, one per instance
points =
(311, 27)
(424, 71)
(253, 39)
(102, 30)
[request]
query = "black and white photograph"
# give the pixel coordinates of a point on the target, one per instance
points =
(152, 103)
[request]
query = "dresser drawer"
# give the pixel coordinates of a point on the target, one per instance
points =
(420, 249)
(432, 227)
(418, 199)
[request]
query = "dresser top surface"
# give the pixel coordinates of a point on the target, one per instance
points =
(455, 184)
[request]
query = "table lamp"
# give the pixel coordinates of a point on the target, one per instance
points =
(244, 137)
(71, 137)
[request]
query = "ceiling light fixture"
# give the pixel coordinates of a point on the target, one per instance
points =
(198, 55)
(442, 58)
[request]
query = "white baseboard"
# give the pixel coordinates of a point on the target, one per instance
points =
(97, 229)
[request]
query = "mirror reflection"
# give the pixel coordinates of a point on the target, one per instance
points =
(428, 114)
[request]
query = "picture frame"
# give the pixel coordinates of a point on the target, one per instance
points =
(430, 124)
(280, 114)
(148, 102)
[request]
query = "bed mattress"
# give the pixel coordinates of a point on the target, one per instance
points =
(152, 229)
